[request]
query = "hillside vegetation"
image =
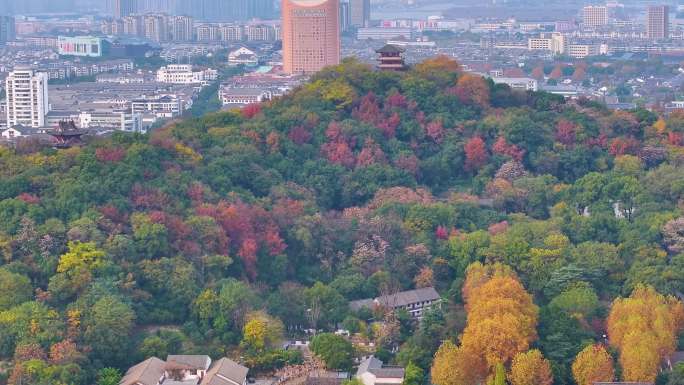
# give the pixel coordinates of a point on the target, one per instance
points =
(220, 234)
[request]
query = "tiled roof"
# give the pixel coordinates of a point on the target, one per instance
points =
(197, 362)
(147, 372)
(225, 372)
(399, 299)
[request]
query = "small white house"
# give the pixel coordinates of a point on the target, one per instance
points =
(373, 372)
(18, 131)
(243, 56)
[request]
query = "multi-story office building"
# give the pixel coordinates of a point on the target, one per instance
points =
(181, 28)
(27, 98)
(124, 8)
(311, 35)
(89, 46)
(595, 16)
(7, 31)
(359, 11)
(658, 22)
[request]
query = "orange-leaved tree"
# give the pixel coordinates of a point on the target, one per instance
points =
(644, 328)
(593, 364)
(530, 368)
(502, 318)
(454, 365)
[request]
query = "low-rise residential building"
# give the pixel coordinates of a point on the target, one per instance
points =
(185, 74)
(186, 370)
(243, 56)
(164, 106)
(375, 33)
(19, 131)
(581, 51)
(115, 120)
(372, 371)
(415, 302)
(238, 97)
(523, 83)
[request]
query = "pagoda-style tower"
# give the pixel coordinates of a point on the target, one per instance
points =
(66, 135)
(391, 58)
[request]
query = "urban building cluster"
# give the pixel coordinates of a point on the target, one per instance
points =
(104, 70)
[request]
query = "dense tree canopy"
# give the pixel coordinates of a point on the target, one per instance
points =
(221, 234)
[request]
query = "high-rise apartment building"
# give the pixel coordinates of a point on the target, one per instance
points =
(6, 29)
(227, 10)
(27, 98)
(156, 6)
(311, 35)
(124, 8)
(658, 22)
(207, 32)
(260, 33)
(345, 16)
(156, 27)
(359, 13)
(231, 32)
(133, 25)
(181, 28)
(595, 16)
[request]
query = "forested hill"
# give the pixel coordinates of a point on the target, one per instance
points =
(359, 183)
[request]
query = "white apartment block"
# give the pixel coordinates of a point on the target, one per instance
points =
(184, 74)
(27, 98)
(115, 120)
(231, 33)
(580, 51)
(524, 84)
(167, 106)
(595, 16)
(555, 43)
(207, 32)
(237, 97)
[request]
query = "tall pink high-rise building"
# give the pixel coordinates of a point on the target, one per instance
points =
(311, 35)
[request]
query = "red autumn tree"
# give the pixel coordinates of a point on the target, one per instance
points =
(622, 146)
(339, 152)
(396, 100)
(441, 233)
(435, 131)
(370, 154)
(299, 135)
(29, 198)
(410, 163)
(368, 110)
(476, 153)
(388, 126)
(251, 110)
(110, 155)
(566, 132)
(502, 147)
(249, 229)
(472, 90)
